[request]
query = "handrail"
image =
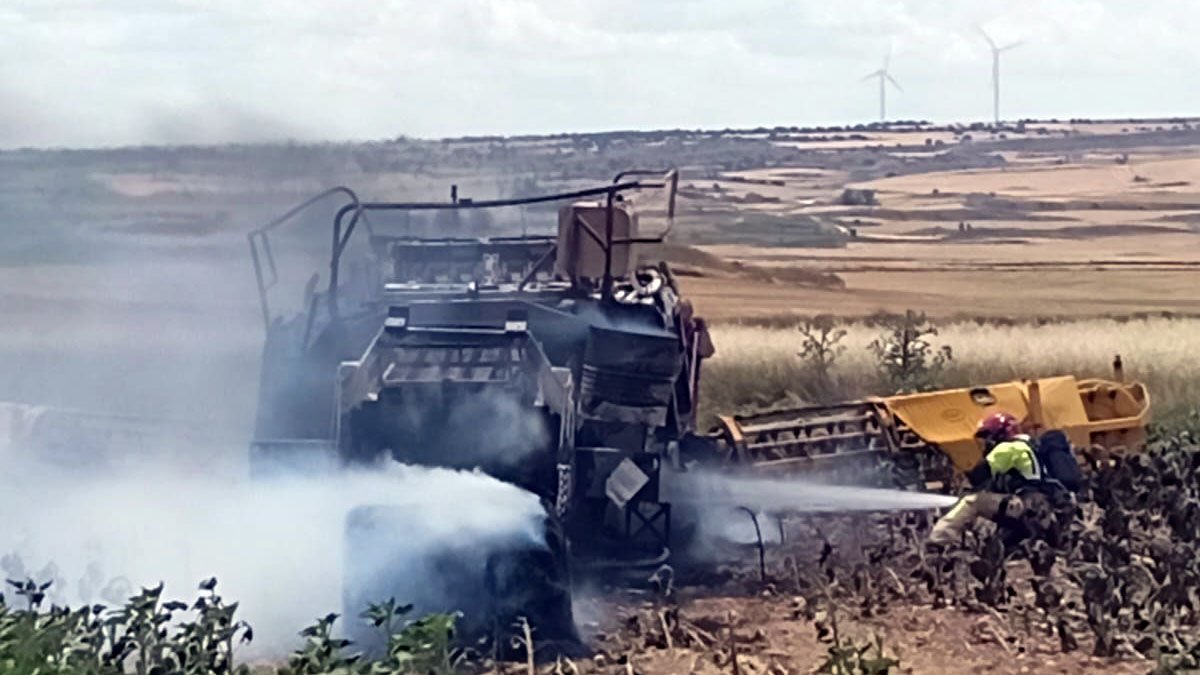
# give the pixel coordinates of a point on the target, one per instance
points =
(260, 235)
(670, 177)
(263, 256)
(341, 240)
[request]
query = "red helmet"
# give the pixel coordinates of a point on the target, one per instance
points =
(998, 427)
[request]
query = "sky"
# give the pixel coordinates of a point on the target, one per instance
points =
(119, 72)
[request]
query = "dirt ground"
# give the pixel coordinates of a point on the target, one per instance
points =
(772, 638)
(787, 623)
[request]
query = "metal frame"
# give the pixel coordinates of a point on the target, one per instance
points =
(260, 234)
(261, 254)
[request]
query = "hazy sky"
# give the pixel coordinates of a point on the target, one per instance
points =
(102, 72)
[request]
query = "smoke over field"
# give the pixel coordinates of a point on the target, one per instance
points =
(276, 547)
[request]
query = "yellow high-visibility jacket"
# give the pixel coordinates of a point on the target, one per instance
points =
(1017, 455)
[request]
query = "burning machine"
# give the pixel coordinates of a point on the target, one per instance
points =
(558, 363)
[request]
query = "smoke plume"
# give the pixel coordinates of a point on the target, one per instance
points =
(276, 547)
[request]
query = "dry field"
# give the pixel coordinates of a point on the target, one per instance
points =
(1047, 234)
(946, 294)
(756, 366)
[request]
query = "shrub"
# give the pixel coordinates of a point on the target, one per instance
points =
(820, 345)
(140, 637)
(150, 636)
(424, 646)
(906, 356)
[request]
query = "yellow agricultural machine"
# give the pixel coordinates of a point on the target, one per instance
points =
(927, 439)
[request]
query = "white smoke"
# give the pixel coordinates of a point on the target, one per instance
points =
(162, 328)
(276, 547)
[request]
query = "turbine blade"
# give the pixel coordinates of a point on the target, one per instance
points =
(871, 76)
(990, 41)
(894, 82)
(1012, 45)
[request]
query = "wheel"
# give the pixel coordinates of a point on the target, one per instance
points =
(390, 554)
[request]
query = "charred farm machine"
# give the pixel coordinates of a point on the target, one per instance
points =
(561, 364)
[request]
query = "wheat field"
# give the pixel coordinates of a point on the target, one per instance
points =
(757, 367)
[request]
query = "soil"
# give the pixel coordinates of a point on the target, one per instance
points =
(772, 639)
(786, 625)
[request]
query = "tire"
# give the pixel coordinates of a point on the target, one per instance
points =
(492, 584)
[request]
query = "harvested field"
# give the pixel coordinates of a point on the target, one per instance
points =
(1020, 293)
(1046, 234)
(1109, 181)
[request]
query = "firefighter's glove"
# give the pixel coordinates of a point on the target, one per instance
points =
(1012, 507)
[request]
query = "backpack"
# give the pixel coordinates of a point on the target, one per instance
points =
(1058, 460)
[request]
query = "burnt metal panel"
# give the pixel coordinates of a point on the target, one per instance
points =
(629, 375)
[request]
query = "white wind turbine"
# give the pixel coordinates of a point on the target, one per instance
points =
(996, 52)
(885, 77)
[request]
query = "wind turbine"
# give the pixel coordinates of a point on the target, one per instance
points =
(884, 77)
(996, 52)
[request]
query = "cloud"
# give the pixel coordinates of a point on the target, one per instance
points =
(131, 71)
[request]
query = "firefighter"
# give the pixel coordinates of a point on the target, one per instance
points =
(1010, 465)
